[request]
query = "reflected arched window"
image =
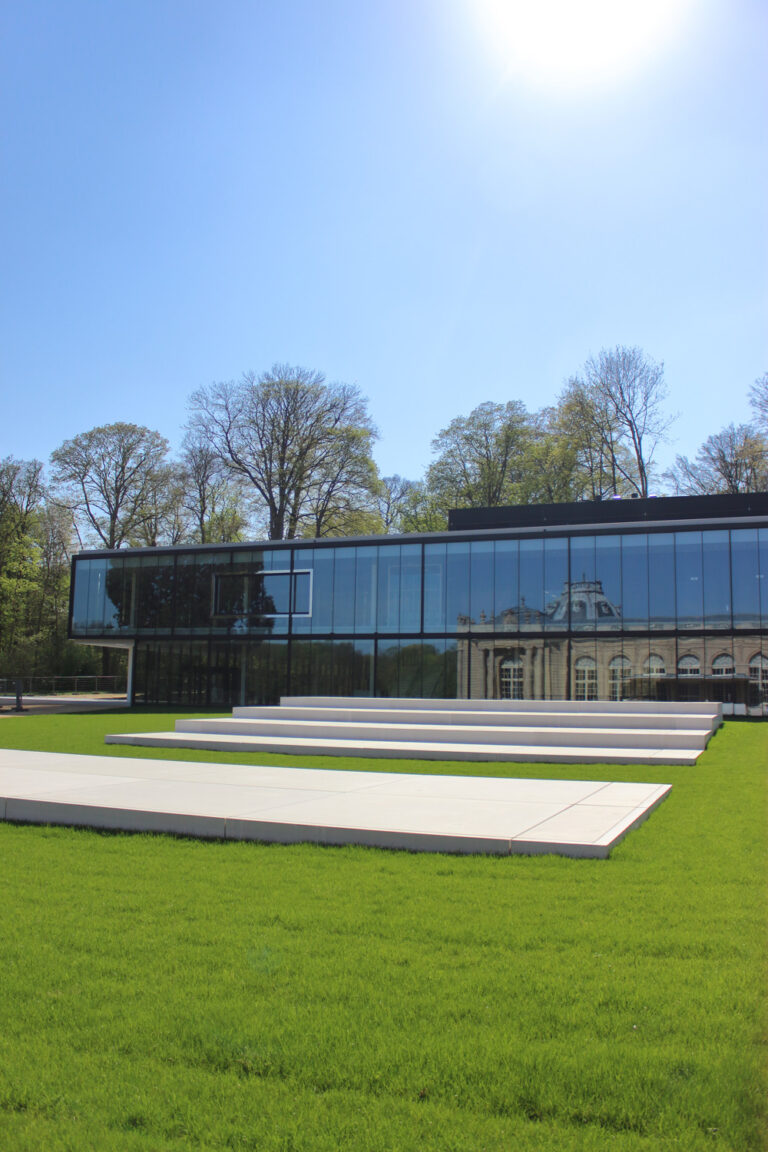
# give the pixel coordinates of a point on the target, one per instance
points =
(511, 678)
(723, 665)
(619, 677)
(758, 677)
(585, 679)
(688, 666)
(654, 666)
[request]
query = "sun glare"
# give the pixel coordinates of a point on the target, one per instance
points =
(579, 43)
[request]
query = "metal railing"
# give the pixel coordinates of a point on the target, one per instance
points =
(62, 685)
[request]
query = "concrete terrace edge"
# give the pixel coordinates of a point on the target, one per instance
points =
(297, 746)
(67, 814)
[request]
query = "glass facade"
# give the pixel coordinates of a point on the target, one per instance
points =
(586, 615)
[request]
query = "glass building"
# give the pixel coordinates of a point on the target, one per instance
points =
(662, 598)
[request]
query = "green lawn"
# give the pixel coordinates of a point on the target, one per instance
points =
(160, 993)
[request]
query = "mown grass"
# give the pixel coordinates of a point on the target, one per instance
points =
(160, 993)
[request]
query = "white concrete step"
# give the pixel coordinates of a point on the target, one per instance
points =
(415, 750)
(642, 707)
(551, 735)
(701, 722)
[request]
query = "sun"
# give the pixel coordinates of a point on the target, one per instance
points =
(579, 43)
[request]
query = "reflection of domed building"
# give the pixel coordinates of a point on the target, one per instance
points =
(731, 669)
(588, 605)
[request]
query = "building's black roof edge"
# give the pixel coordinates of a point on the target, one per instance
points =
(562, 529)
(654, 508)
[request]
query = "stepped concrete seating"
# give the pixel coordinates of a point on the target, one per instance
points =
(630, 732)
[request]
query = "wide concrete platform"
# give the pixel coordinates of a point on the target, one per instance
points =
(574, 732)
(462, 814)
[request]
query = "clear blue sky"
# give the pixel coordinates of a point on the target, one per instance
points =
(190, 190)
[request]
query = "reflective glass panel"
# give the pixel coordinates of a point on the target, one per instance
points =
(274, 591)
(661, 580)
(690, 580)
(97, 595)
(608, 591)
(410, 585)
(531, 617)
(434, 588)
(353, 667)
(481, 585)
(457, 587)
(344, 590)
(195, 583)
(301, 668)
(556, 591)
(231, 597)
(717, 579)
(506, 560)
(387, 672)
(410, 663)
(388, 616)
(277, 558)
(80, 597)
(763, 573)
(118, 607)
(302, 592)
(745, 578)
(439, 669)
(556, 670)
(365, 589)
(582, 584)
(634, 581)
(260, 676)
(322, 590)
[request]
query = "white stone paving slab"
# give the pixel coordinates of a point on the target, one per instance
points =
(409, 750)
(290, 805)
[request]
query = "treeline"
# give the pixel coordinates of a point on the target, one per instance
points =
(286, 455)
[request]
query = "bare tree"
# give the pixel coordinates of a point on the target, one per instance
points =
(758, 398)
(733, 460)
(213, 498)
(165, 521)
(393, 499)
(628, 390)
(108, 477)
(302, 444)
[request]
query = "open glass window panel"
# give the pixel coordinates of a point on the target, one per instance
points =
(264, 594)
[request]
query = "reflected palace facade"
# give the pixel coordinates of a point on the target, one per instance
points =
(663, 598)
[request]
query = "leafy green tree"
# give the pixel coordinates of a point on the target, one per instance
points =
(586, 426)
(421, 511)
(480, 457)
(110, 478)
(21, 493)
(551, 469)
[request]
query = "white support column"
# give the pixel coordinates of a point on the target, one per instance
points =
(129, 675)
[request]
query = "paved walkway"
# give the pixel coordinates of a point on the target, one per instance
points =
(291, 805)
